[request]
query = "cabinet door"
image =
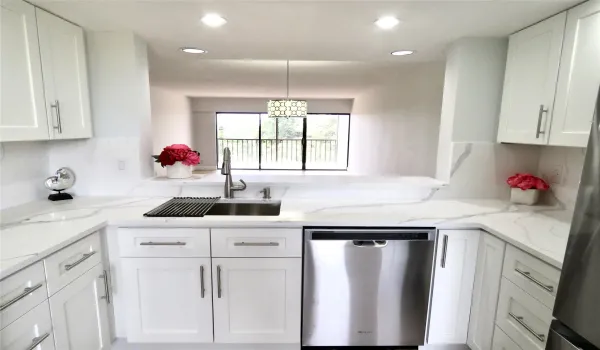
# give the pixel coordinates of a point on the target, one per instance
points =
(65, 77)
(168, 300)
(578, 78)
(22, 111)
(530, 82)
(257, 300)
(456, 258)
(503, 342)
(31, 331)
(485, 292)
(79, 313)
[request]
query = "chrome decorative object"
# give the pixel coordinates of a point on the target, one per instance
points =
(63, 179)
(287, 108)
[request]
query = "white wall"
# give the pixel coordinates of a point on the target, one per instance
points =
(119, 154)
(205, 109)
(394, 126)
(171, 121)
(23, 168)
(568, 162)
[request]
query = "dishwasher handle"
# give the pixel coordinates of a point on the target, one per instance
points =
(369, 244)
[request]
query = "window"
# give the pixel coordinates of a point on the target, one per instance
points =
(319, 142)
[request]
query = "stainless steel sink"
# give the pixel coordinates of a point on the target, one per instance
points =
(241, 208)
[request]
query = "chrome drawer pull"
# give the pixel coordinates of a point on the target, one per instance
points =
(83, 258)
(538, 130)
(532, 279)
(202, 289)
(106, 296)
(256, 244)
(23, 294)
(444, 252)
(219, 281)
(521, 321)
(37, 341)
(163, 243)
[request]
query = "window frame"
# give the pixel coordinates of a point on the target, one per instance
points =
(303, 142)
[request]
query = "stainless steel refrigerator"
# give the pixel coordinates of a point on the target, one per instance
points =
(577, 308)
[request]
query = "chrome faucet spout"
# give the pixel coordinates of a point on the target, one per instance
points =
(226, 170)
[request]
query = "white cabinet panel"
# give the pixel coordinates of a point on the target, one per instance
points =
(453, 286)
(33, 329)
(23, 111)
(257, 300)
(164, 243)
(21, 292)
(79, 313)
(485, 292)
(579, 77)
(503, 342)
(169, 300)
(65, 77)
(530, 82)
(258, 242)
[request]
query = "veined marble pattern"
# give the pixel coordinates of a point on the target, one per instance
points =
(542, 231)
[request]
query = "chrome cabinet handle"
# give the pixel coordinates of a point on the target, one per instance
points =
(83, 258)
(163, 243)
(23, 294)
(527, 275)
(106, 296)
(539, 131)
(218, 281)
(37, 341)
(202, 281)
(256, 244)
(56, 106)
(521, 321)
(444, 252)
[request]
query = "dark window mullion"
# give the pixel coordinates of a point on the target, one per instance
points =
(304, 143)
(259, 141)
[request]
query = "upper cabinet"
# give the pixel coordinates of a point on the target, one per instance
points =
(552, 80)
(530, 82)
(578, 77)
(65, 77)
(23, 109)
(48, 96)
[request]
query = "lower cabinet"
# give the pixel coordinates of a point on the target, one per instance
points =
(501, 341)
(169, 300)
(79, 313)
(31, 331)
(257, 300)
(453, 286)
(488, 275)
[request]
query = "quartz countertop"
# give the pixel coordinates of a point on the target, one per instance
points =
(33, 231)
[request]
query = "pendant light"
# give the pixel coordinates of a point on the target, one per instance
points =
(287, 108)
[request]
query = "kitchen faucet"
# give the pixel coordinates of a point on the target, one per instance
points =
(226, 170)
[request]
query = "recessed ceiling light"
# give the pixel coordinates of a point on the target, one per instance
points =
(402, 52)
(192, 50)
(387, 22)
(213, 20)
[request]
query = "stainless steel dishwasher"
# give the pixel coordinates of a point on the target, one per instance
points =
(366, 287)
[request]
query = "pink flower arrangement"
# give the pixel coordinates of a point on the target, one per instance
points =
(527, 182)
(177, 153)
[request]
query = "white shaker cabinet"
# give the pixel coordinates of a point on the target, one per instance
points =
(80, 314)
(488, 275)
(31, 331)
(23, 111)
(456, 257)
(578, 78)
(257, 300)
(530, 82)
(169, 300)
(65, 77)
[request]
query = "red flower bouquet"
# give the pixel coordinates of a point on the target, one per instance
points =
(177, 153)
(527, 182)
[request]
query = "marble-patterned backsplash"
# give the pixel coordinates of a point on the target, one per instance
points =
(562, 168)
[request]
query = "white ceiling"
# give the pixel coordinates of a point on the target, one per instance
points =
(300, 30)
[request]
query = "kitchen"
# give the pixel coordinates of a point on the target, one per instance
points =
(432, 138)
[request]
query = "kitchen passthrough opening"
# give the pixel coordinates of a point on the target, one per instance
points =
(257, 142)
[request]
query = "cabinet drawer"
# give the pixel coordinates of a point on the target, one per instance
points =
(534, 276)
(165, 243)
(247, 243)
(522, 317)
(502, 341)
(71, 262)
(32, 331)
(21, 292)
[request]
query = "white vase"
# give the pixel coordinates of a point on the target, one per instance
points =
(179, 171)
(528, 197)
